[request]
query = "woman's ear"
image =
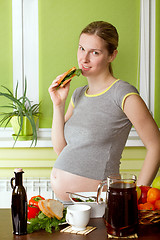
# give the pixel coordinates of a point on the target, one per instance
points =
(113, 56)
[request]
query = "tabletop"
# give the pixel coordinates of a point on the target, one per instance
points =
(149, 232)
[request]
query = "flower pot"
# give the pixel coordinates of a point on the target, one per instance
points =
(26, 133)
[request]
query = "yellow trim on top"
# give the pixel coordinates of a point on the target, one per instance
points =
(132, 93)
(72, 103)
(98, 94)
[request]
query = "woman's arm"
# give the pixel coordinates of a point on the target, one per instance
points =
(58, 139)
(57, 134)
(137, 112)
(59, 97)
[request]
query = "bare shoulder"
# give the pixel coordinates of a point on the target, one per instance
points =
(134, 104)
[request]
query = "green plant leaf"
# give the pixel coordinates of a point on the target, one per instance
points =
(12, 98)
(16, 91)
(8, 90)
(20, 126)
(25, 88)
(21, 107)
(7, 106)
(5, 118)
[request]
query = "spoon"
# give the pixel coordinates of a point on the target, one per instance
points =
(91, 197)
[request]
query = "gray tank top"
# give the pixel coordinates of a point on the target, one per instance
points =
(97, 132)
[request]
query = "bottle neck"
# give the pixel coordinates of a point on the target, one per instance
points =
(18, 178)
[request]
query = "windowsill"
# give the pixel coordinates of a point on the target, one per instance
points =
(46, 143)
(44, 139)
(134, 142)
(7, 141)
(41, 143)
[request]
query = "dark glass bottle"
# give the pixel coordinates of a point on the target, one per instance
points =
(19, 204)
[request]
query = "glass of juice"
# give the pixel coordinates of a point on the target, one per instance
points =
(121, 212)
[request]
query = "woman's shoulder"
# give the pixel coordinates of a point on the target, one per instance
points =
(81, 89)
(78, 92)
(124, 86)
(123, 89)
(123, 83)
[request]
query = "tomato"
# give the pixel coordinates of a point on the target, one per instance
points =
(34, 200)
(143, 197)
(32, 211)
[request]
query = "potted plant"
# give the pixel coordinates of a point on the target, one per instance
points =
(23, 116)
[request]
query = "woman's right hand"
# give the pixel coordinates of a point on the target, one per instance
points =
(58, 95)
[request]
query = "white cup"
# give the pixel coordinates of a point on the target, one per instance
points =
(78, 216)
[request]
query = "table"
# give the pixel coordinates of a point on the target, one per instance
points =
(150, 232)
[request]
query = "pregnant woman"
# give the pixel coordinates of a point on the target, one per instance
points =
(90, 137)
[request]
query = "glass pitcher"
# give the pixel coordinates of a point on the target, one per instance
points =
(121, 212)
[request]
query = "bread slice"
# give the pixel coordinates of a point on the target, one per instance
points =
(42, 204)
(55, 208)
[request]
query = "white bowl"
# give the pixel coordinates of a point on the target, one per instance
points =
(97, 210)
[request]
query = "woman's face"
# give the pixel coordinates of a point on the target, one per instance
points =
(93, 57)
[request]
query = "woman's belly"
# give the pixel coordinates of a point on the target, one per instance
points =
(62, 182)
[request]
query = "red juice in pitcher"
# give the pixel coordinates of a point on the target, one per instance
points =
(121, 213)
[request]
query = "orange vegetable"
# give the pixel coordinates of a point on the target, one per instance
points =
(148, 206)
(141, 206)
(157, 204)
(153, 195)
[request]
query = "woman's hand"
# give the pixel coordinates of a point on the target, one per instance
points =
(58, 95)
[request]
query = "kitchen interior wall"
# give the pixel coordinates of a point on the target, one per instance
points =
(38, 162)
(60, 23)
(6, 63)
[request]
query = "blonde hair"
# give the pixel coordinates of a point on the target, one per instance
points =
(107, 32)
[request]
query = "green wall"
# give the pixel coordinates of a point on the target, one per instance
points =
(60, 23)
(6, 63)
(38, 162)
(6, 69)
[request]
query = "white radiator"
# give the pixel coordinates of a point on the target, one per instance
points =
(33, 186)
